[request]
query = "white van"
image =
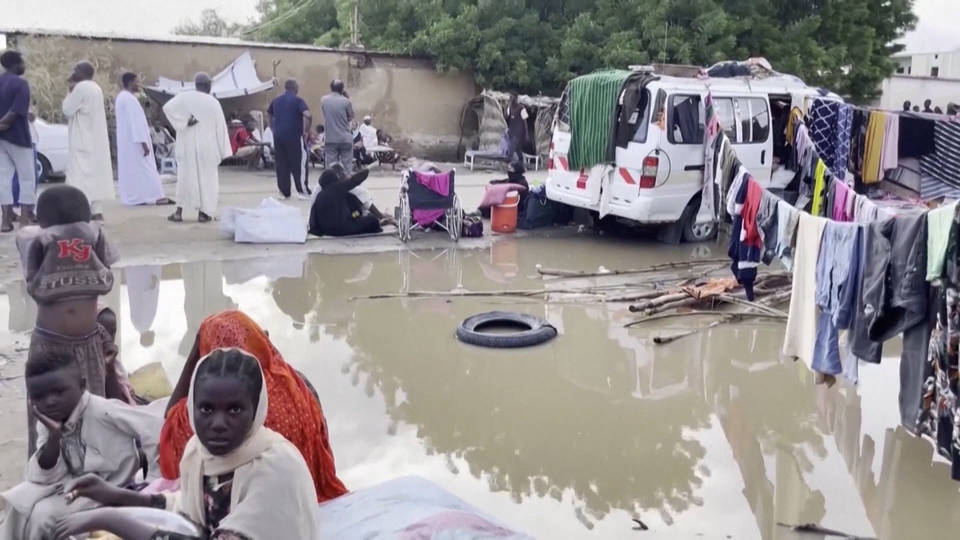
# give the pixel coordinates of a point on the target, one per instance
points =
(658, 133)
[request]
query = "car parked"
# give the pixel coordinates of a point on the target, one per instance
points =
(52, 152)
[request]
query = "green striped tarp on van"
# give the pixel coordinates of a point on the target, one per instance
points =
(593, 100)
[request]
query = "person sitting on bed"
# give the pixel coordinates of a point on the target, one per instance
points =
(239, 479)
(80, 434)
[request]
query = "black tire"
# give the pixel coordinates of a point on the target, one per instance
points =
(692, 232)
(44, 174)
(536, 330)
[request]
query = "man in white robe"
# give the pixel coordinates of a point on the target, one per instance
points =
(137, 178)
(89, 168)
(202, 143)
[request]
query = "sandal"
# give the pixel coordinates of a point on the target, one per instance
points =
(203, 218)
(175, 218)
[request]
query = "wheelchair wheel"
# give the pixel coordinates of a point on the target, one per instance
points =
(404, 219)
(455, 219)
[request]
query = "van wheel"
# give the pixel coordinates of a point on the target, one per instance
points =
(693, 231)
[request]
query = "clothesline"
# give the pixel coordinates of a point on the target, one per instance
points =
(857, 268)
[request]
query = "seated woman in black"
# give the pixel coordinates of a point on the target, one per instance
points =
(336, 211)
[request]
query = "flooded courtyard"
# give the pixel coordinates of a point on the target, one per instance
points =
(710, 436)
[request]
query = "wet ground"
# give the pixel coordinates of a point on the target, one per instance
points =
(711, 436)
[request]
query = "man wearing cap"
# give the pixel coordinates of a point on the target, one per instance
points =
(337, 115)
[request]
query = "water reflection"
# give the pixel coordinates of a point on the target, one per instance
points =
(143, 293)
(710, 435)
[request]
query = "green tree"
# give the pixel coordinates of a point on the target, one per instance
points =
(538, 45)
(210, 24)
(295, 21)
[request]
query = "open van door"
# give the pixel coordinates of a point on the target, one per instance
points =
(755, 143)
(580, 187)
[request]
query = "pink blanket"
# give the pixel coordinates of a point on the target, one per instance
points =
(438, 183)
(497, 193)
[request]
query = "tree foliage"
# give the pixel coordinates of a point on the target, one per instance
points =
(537, 45)
(210, 24)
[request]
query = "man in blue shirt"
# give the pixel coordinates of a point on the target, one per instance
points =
(290, 120)
(16, 145)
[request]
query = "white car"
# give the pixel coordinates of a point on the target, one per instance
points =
(52, 150)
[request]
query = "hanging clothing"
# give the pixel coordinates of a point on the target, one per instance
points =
(838, 271)
(890, 158)
(294, 411)
(858, 137)
(939, 225)
(89, 168)
(893, 295)
(944, 163)
(794, 120)
(865, 211)
(873, 149)
(787, 219)
(801, 331)
(767, 225)
(830, 123)
(842, 198)
(200, 148)
(271, 495)
(939, 415)
(744, 256)
(916, 136)
(819, 187)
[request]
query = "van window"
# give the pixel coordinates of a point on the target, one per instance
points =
(728, 122)
(639, 119)
(563, 112)
(754, 116)
(686, 120)
(632, 115)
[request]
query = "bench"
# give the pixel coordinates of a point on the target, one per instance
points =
(532, 159)
(471, 156)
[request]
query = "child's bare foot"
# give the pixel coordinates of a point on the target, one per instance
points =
(177, 216)
(203, 218)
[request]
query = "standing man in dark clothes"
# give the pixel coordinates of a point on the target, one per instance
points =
(337, 115)
(516, 127)
(926, 106)
(290, 120)
(16, 145)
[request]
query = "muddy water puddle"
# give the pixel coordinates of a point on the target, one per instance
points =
(711, 436)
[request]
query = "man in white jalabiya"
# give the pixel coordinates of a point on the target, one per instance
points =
(137, 178)
(89, 168)
(202, 143)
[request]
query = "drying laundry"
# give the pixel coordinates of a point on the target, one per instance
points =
(801, 332)
(838, 271)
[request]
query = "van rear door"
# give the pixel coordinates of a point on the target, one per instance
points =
(580, 187)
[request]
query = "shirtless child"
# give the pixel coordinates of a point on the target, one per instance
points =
(66, 265)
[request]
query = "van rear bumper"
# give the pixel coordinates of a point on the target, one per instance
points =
(565, 196)
(650, 207)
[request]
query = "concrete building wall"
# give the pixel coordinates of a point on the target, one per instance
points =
(406, 96)
(898, 89)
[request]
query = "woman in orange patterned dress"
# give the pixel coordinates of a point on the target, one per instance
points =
(294, 411)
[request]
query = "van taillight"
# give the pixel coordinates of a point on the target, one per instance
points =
(550, 158)
(648, 177)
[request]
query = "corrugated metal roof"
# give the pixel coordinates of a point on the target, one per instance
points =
(194, 40)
